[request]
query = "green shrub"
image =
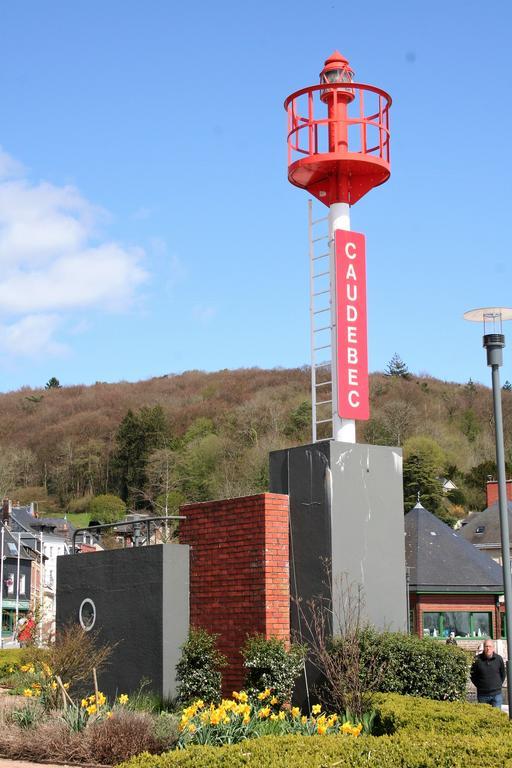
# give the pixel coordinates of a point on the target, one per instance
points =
(107, 508)
(270, 665)
(416, 667)
(198, 672)
(418, 733)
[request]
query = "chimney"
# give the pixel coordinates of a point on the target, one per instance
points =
(6, 510)
(492, 491)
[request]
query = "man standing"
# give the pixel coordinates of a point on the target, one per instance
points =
(488, 675)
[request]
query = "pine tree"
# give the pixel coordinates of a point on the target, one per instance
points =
(397, 367)
(507, 386)
(420, 477)
(53, 383)
(138, 435)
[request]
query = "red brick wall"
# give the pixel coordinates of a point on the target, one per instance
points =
(239, 572)
(492, 491)
(434, 603)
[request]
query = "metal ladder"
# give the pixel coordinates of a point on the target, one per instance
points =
(320, 311)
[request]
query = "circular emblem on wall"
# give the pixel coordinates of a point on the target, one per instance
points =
(87, 614)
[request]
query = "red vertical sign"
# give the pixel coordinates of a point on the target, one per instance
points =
(351, 325)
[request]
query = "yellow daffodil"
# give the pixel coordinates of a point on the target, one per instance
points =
(295, 711)
(53, 685)
(235, 695)
(31, 669)
(109, 715)
(123, 698)
(66, 686)
(36, 686)
(346, 727)
(243, 697)
(316, 709)
(303, 719)
(264, 694)
(25, 667)
(273, 716)
(274, 700)
(246, 720)
(91, 709)
(28, 692)
(84, 703)
(282, 714)
(192, 728)
(264, 712)
(11, 670)
(321, 730)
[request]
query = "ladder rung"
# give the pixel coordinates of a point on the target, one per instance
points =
(321, 274)
(323, 383)
(323, 421)
(321, 293)
(318, 221)
(325, 346)
(317, 239)
(323, 402)
(318, 311)
(323, 328)
(322, 365)
(321, 256)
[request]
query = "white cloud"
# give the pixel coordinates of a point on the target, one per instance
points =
(53, 261)
(31, 337)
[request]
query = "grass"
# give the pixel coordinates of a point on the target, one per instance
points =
(78, 519)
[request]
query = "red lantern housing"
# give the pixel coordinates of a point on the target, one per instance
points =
(339, 156)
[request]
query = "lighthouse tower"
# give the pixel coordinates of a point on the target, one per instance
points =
(345, 498)
(338, 150)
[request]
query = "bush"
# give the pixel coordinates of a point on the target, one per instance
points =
(271, 666)
(417, 733)
(73, 655)
(107, 508)
(198, 672)
(416, 667)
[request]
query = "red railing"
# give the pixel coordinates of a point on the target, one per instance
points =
(368, 134)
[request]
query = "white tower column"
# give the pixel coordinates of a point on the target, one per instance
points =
(343, 430)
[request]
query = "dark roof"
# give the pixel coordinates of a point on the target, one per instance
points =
(489, 520)
(440, 560)
(58, 526)
(11, 547)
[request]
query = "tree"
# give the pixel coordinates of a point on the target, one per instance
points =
(397, 367)
(428, 449)
(53, 383)
(107, 508)
(421, 477)
(507, 387)
(397, 418)
(138, 435)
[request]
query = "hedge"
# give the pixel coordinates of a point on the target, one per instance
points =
(417, 666)
(418, 733)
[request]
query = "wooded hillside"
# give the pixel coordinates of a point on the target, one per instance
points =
(201, 435)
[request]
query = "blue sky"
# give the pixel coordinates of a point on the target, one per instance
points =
(146, 222)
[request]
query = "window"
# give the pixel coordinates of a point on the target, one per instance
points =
(13, 550)
(480, 529)
(463, 623)
(23, 587)
(9, 583)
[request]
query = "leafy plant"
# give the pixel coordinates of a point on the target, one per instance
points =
(198, 672)
(270, 665)
(25, 717)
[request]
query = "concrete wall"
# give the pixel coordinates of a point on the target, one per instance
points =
(367, 518)
(141, 600)
(346, 532)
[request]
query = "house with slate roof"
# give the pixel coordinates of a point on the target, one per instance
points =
(483, 530)
(452, 586)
